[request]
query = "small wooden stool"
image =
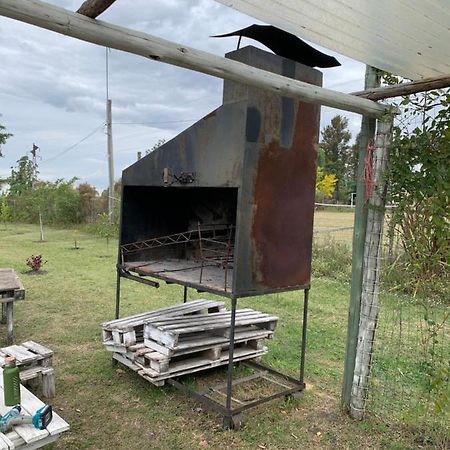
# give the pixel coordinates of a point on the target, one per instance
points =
(35, 365)
(11, 289)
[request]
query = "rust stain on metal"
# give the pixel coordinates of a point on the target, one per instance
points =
(284, 195)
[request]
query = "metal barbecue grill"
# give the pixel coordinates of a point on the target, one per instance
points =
(227, 206)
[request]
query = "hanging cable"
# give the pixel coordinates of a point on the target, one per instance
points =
(74, 145)
(155, 123)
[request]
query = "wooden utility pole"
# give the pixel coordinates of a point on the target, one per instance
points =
(370, 283)
(110, 158)
(368, 127)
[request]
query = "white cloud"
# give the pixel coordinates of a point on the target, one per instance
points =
(52, 87)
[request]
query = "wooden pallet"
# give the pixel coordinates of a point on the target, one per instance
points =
(186, 338)
(205, 361)
(118, 335)
(35, 364)
(172, 332)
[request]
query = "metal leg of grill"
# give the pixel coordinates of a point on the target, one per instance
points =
(304, 327)
(228, 419)
(118, 294)
(185, 294)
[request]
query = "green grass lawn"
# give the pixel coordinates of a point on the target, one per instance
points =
(111, 407)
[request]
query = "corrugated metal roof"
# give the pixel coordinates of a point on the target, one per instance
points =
(405, 37)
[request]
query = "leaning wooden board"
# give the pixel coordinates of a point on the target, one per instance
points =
(26, 436)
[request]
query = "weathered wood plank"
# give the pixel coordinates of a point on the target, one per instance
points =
(48, 383)
(401, 89)
(197, 364)
(21, 354)
(202, 343)
(5, 443)
(128, 323)
(65, 22)
(37, 348)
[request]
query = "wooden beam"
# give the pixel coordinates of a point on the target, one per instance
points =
(93, 8)
(65, 22)
(397, 90)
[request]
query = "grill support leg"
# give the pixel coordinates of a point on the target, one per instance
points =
(303, 342)
(228, 419)
(118, 294)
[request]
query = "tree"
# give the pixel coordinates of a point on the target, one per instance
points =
(353, 163)
(419, 186)
(89, 202)
(5, 215)
(335, 140)
(325, 184)
(22, 177)
(4, 136)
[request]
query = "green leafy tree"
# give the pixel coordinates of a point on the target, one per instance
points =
(22, 177)
(5, 215)
(419, 187)
(335, 143)
(4, 136)
(105, 228)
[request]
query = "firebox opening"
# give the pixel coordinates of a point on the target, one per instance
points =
(180, 234)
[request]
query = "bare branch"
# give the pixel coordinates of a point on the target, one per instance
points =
(93, 8)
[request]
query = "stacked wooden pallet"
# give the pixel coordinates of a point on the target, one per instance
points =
(35, 364)
(186, 338)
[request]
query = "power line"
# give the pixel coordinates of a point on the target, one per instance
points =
(74, 145)
(154, 123)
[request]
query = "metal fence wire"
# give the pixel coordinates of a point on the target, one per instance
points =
(406, 339)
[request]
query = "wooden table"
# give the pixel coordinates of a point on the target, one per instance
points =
(26, 436)
(11, 289)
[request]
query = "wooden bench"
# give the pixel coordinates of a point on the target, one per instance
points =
(11, 289)
(35, 365)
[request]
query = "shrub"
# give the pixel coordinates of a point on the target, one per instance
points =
(35, 262)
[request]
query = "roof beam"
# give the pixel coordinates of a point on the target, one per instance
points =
(57, 19)
(93, 8)
(413, 87)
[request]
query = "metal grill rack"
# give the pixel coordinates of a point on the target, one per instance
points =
(206, 250)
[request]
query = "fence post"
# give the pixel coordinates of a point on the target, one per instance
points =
(368, 126)
(370, 283)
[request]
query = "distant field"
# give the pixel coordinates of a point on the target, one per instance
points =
(113, 408)
(334, 224)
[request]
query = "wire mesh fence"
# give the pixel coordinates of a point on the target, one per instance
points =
(408, 343)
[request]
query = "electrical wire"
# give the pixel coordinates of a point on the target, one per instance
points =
(154, 123)
(74, 145)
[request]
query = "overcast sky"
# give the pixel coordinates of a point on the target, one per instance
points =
(53, 88)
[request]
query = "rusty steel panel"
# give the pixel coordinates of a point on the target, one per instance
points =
(251, 164)
(276, 201)
(211, 149)
(284, 193)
